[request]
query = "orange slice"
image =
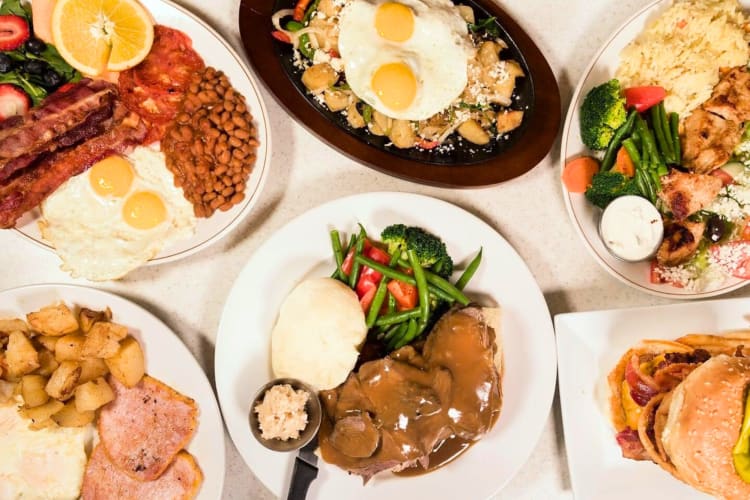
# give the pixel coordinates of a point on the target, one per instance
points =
(95, 36)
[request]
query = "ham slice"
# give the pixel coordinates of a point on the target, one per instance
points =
(145, 427)
(104, 481)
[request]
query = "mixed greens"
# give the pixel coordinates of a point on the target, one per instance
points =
(403, 281)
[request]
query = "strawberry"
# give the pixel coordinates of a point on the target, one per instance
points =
(14, 30)
(13, 101)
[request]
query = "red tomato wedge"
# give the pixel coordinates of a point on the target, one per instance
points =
(733, 257)
(281, 36)
(642, 98)
(366, 298)
(404, 293)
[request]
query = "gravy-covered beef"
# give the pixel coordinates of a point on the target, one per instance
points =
(394, 412)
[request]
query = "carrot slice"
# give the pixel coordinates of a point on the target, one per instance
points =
(624, 164)
(578, 173)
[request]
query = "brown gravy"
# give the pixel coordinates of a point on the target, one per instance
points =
(416, 411)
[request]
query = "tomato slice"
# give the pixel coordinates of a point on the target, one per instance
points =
(281, 36)
(642, 98)
(745, 232)
(404, 293)
(733, 257)
(657, 278)
(366, 298)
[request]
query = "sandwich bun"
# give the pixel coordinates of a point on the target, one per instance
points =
(703, 424)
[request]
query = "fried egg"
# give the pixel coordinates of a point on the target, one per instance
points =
(408, 59)
(40, 464)
(116, 216)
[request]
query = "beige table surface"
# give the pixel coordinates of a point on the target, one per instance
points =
(528, 211)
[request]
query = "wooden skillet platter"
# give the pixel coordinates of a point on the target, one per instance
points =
(465, 166)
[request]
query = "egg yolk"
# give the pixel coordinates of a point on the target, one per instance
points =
(395, 85)
(144, 210)
(394, 22)
(111, 176)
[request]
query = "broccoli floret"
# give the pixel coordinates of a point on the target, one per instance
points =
(602, 112)
(606, 186)
(430, 250)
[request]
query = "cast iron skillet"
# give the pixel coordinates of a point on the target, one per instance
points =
(467, 165)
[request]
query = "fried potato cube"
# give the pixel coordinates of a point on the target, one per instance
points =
(93, 395)
(20, 356)
(40, 415)
(92, 368)
(102, 341)
(9, 325)
(47, 363)
(71, 416)
(63, 381)
(47, 341)
(127, 365)
(32, 390)
(87, 318)
(69, 347)
(53, 320)
(7, 390)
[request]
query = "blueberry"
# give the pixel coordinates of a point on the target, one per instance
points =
(35, 67)
(52, 78)
(35, 46)
(6, 63)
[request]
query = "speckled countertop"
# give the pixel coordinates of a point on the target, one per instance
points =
(189, 295)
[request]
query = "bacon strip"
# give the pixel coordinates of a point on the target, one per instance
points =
(27, 190)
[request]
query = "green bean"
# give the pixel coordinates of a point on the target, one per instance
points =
(469, 271)
(673, 159)
(305, 48)
(377, 300)
(345, 251)
(399, 317)
(422, 290)
(440, 284)
(614, 144)
(358, 247)
(674, 126)
(392, 331)
(411, 333)
(658, 126)
(649, 144)
(632, 151)
(391, 303)
(294, 26)
(310, 11)
(338, 254)
(400, 333)
(454, 296)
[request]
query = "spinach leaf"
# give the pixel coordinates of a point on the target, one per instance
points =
(55, 60)
(36, 92)
(16, 8)
(488, 26)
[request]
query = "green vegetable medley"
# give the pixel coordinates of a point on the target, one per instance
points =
(403, 282)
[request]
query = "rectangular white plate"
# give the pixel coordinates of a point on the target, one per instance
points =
(588, 347)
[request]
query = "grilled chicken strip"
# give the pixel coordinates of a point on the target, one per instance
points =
(731, 96)
(685, 194)
(708, 141)
(681, 241)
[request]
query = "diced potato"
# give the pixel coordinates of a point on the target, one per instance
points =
(488, 54)
(47, 341)
(402, 134)
(92, 368)
(328, 7)
(380, 124)
(20, 356)
(127, 365)
(3, 366)
(8, 325)
(87, 318)
(93, 395)
(319, 77)
(354, 117)
(69, 348)
(71, 416)
(32, 390)
(473, 132)
(53, 320)
(39, 415)
(467, 13)
(63, 381)
(6, 391)
(336, 100)
(102, 341)
(508, 120)
(47, 363)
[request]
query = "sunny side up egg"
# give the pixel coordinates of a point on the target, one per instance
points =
(407, 59)
(116, 216)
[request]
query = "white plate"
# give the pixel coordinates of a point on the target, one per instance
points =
(302, 249)
(216, 52)
(589, 345)
(167, 359)
(584, 215)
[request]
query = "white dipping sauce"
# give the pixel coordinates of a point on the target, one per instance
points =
(631, 228)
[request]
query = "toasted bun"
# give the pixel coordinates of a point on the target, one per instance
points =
(703, 424)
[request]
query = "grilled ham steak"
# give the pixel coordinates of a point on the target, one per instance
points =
(393, 412)
(63, 137)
